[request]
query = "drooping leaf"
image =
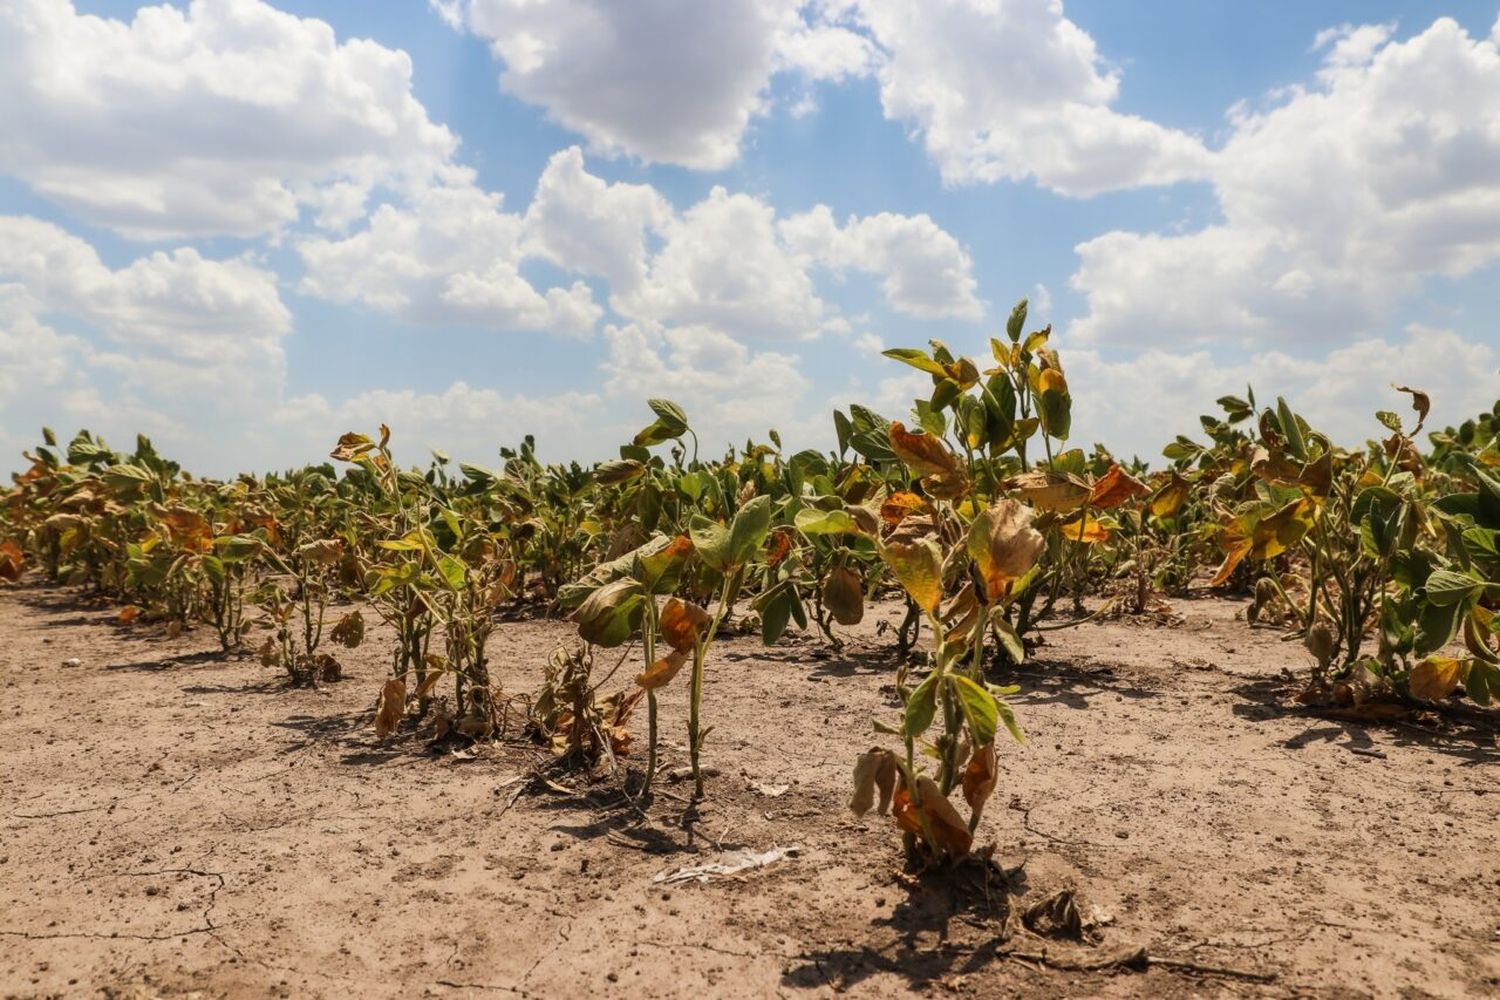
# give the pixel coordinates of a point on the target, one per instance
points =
(1004, 545)
(980, 776)
(979, 706)
(921, 705)
(874, 770)
(918, 566)
(611, 614)
(1115, 488)
(1059, 491)
(660, 673)
(844, 596)
(930, 810)
(391, 708)
(683, 624)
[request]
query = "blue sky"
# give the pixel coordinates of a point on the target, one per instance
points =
(246, 227)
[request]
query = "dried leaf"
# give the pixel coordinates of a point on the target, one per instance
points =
(391, 708)
(682, 624)
(1115, 488)
(901, 505)
(1004, 546)
(349, 631)
(979, 779)
(660, 673)
(948, 828)
(1059, 491)
(923, 453)
(874, 770)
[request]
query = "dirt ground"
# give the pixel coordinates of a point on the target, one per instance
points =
(176, 823)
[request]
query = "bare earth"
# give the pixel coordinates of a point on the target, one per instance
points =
(175, 823)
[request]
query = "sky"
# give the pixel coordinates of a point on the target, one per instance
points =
(244, 228)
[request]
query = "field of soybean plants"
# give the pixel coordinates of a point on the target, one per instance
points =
(955, 708)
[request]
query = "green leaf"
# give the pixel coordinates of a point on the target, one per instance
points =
(747, 533)
(775, 616)
(1008, 717)
(1445, 587)
(237, 548)
(711, 539)
(453, 571)
(920, 707)
(1290, 429)
(810, 521)
(1010, 640)
(979, 706)
(668, 411)
(1437, 624)
(611, 614)
(1017, 321)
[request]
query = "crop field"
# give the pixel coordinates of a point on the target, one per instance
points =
(956, 708)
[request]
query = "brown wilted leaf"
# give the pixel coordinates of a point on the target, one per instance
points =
(128, 614)
(901, 505)
(1059, 491)
(844, 595)
(351, 446)
(660, 673)
(391, 708)
(1419, 402)
(349, 631)
(1115, 488)
(12, 559)
(778, 546)
(923, 453)
(979, 779)
(682, 624)
(327, 668)
(948, 828)
(429, 682)
(1004, 546)
(326, 552)
(874, 770)
(188, 529)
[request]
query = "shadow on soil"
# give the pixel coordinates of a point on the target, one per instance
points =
(1452, 731)
(1056, 682)
(977, 893)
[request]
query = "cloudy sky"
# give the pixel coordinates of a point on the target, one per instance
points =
(245, 227)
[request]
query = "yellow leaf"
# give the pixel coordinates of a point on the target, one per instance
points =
(1436, 677)
(918, 565)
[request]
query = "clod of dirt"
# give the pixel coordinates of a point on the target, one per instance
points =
(72, 661)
